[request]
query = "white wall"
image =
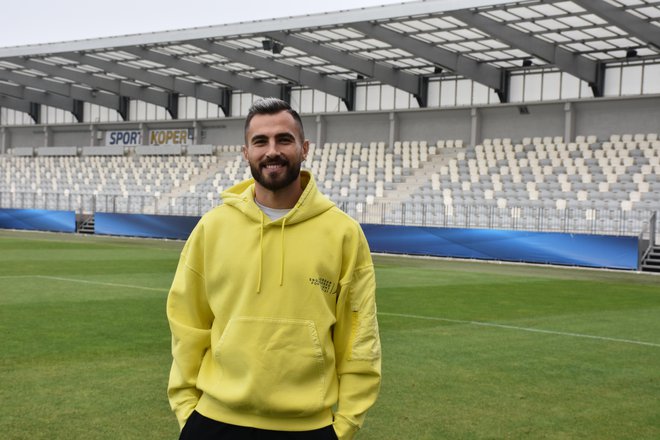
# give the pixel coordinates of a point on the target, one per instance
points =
(600, 117)
(508, 122)
(434, 125)
(603, 118)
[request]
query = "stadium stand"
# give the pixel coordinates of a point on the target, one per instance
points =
(536, 183)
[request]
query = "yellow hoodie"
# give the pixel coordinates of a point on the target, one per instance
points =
(274, 322)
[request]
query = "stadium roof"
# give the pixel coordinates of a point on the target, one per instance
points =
(401, 45)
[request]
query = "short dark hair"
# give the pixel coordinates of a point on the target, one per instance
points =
(271, 106)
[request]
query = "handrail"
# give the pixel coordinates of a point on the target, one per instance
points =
(651, 228)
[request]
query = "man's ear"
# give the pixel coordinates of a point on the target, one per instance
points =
(305, 149)
(244, 150)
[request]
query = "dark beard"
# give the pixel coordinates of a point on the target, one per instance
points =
(290, 176)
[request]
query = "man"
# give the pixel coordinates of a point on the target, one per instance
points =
(272, 308)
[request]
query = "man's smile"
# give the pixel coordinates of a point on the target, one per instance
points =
(273, 166)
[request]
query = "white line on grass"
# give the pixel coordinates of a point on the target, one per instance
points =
(400, 315)
(525, 329)
(74, 280)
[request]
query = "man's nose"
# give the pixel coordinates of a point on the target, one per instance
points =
(271, 148)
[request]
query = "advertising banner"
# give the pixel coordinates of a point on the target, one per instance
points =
(598, 251)
(182, 136)
(602, 251)
(38, 220)
(123, 137)
(139, 225)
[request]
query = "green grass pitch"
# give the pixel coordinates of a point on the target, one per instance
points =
(470, 350)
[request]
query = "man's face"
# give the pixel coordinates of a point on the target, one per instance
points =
(275, 150)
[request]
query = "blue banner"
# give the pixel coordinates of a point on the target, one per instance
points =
(140, 225)
(600, 251)
(38, 220)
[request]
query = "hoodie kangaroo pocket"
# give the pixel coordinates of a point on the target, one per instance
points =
(271, 366)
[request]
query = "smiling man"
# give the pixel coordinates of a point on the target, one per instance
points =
(275, 147)
(272, 308)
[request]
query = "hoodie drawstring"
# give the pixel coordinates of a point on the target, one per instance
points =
(261, 252)
(282, 256)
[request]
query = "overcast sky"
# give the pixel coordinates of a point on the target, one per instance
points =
(47, 21)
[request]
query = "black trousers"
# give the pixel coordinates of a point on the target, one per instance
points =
(199, 427)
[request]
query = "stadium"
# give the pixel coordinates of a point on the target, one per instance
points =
(511, 148)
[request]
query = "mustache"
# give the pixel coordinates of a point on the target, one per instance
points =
(274, 161)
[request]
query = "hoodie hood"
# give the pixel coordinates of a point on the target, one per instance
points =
(310, 204)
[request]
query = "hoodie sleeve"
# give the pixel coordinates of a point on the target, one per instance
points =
(190, 320)
(357, 345)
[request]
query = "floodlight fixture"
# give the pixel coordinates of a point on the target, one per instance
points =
(277, 47)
